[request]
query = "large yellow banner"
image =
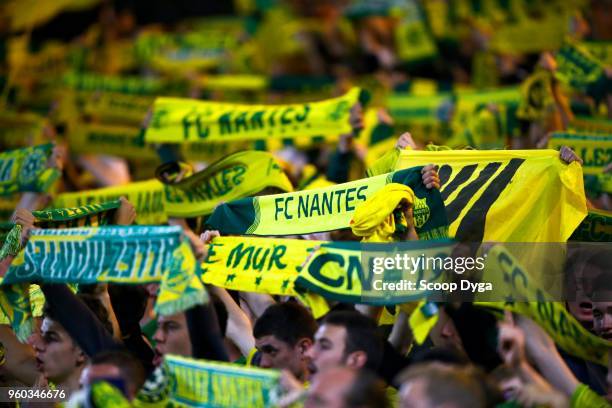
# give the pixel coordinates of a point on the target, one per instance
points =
(507, 196)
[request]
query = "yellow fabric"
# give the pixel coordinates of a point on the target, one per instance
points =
(146, 196)
(179, 120)
(374, 220)
(422, 320)
(583, 396)
(532, 196)
(252, 264)
(242, 174)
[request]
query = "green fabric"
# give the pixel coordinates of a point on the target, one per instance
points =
(26, 170)
(11, 243)
(343, 271)
(577, 68)
(596, 227)
(584, 397)
(91, 215)
(238, 175)
(149, 330)
(119, 254)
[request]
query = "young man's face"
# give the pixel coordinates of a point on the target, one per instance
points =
(172, 337)
(278, 354)
(57, 356)
(328, 348)
(602, 318)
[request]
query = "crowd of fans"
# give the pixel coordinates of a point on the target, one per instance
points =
(470, 359)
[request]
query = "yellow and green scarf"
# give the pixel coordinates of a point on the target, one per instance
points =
(325, 209)
(239, 175)
(133, 85)
(126, 141)
(577, 68)
(12, 296)
(495, 195)
(118, 254)
(27, 169)
(526, 296)
(20, 129)
(253, 264)
(146, 196)
(182, 381)
(178, 120)
(587, 124)
(344, 271)
(118, 108)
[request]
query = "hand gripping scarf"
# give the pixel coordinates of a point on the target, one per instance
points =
(239, 175)
(594, 149)
(19, 301)
(377, 219)
(325, 209)
(27, 170)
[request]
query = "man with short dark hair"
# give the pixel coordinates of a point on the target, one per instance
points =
(346, 338)
(283, 335)
(62, 348)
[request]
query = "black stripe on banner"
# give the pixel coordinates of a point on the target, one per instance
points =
(463, 176)
(454, 208)
(445, 173)
(472, 226)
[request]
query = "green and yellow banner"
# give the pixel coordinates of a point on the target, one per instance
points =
(27, 169)
(117, 140)
(594, 149)
(347, 271)
(146, 196)
(326, 209)
(205, 383)
(239, 175)
(178, 120)
(577, 68)
(506, 196)
(253, 264)
(92, 215)
(551, 315)
(118, 254)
